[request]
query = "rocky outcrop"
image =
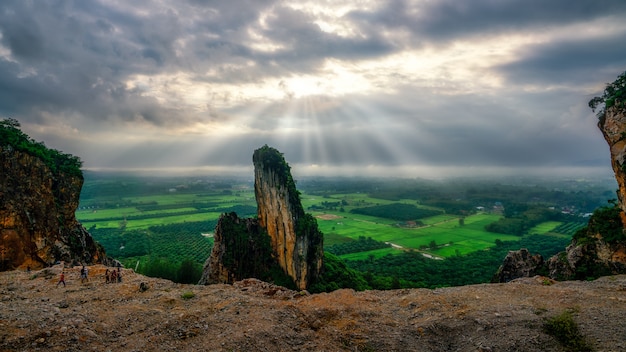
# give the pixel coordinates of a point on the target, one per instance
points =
(241, 249)
(294, 236)
(518, 264)
(295, 243)
(593, 252)
(37, 221)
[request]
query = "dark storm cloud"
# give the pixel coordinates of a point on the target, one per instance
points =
(570, 61)
(68, 60)
(444, 20)
(131, 65)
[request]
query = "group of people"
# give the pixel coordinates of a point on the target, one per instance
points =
(112, 276)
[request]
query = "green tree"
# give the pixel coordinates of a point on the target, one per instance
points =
(189, 272)
(11, 135)
(614, 95)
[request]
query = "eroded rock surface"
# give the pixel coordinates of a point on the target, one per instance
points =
(37, 222)
(296, 244)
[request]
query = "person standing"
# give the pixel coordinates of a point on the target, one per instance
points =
(61, 279)
(83, 274)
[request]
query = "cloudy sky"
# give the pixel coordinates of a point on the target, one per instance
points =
(411, 88)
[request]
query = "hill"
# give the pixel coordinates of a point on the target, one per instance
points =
(252, 315)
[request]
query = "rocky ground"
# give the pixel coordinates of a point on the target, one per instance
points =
(251, 315)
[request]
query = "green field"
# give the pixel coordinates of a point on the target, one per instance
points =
(545, 227)
(171, 208)
(450, 236)
(163, 224)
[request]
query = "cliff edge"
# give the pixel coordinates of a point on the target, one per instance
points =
(150, 314)
(39, 194)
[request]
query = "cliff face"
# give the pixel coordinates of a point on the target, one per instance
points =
(613, 127)
(37, 221)
(295, 243)
(241, 249)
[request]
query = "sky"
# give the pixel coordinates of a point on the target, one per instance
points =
(422, 88)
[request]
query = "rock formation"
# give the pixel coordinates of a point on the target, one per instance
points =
(295, 243)
(518, 264)
(37, 221)
(241, 249)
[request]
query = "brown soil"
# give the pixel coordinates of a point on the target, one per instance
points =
(251, 315)
(329, 217)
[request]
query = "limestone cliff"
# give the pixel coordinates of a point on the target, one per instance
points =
(295, 238)
(37, 221)
(295, 243)
(241, 250)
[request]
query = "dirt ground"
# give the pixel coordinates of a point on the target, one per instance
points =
(36, 315)
(329, 217)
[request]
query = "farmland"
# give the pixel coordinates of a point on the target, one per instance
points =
(167, 221)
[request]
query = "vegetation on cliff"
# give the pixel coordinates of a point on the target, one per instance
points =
(271, 159)
(300, 257)
(248, 252)
(605, 221)
(11, 135)
(614, 95)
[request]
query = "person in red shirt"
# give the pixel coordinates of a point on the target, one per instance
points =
(61, 279)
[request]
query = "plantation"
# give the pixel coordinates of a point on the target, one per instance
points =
(163, 226)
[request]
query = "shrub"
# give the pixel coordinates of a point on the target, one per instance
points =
(11, 135)
(566, 331)
(187, 295)
(607, 222)
(614, 95)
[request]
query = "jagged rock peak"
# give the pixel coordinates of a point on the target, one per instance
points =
(39, 194)
(295, 244)
(518, 264)
(294, 236)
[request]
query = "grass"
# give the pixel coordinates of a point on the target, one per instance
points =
(566, 331)
(145, 223)
(333, 238)
(187, 295)
(442, 229)
(376, 253)
(338, 226)
(544, 227)
(102, 217)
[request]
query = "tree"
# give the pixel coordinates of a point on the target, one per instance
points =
(614, 95)
(189, 272)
